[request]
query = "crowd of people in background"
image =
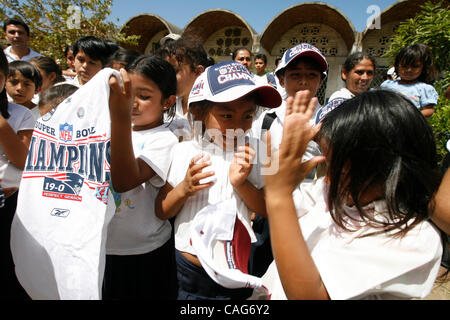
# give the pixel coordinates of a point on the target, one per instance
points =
(358, 207)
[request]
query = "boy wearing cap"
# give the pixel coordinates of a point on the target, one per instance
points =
(302, 67)
(216, 169)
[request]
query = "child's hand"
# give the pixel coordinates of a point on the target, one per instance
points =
(120, 98)
(241, 165)
(191, 183)
(297, 132)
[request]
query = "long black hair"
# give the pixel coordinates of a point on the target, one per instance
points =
(380, 140)
(3, 97)
(160, 72)
(417, 52)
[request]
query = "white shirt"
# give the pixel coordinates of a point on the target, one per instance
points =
(355, 267)
(180, 124)
(342, 93)
(134, 228)
(276, 130)
(20, 119)
(28, 57)
(220, 191)
(64, 206)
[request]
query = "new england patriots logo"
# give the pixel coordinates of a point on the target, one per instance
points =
(65, 186)
(65, 132)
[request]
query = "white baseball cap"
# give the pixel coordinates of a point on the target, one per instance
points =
(170, 36)
(303, 50)
(228, 81)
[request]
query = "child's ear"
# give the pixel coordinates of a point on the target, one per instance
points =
(169, 102)
(199, 69)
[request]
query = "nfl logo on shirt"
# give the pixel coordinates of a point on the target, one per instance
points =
(65, 132)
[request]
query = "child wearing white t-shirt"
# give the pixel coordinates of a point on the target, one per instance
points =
(140, 262)
(16, 128)
(362, 231)
(214, 168)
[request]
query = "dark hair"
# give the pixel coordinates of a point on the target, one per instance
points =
(67, 49)
(380, 140)
(94, 47)
(27, 70)
(48, 65)
(16, 22)
(56, 94)
(355, 58)
(3, 96)
(417, 52)
(123, 56)
(160, 72)
(261, 56)
(235, 52)
(277, 59)
(189, 49)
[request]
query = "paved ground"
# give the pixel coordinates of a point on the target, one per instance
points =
(441, 290)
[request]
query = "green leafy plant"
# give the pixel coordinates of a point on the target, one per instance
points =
(57, 23)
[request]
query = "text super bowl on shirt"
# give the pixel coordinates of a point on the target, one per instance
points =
(67, 159)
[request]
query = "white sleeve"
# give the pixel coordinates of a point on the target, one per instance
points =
(181, 155)
(156, 152)
(377, 265)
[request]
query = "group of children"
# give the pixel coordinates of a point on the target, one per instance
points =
(184, 139)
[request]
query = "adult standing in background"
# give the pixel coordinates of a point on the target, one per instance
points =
(17, 33)
(243, 56)
(357, 71)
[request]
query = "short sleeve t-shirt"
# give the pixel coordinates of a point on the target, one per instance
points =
(135, 229)
(20, 119)
(343, 93)
(419, 93)
(220, 191)
(354, 267)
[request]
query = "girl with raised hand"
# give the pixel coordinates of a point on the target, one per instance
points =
(363, 230)
(140, 261)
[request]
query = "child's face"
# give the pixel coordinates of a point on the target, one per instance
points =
(302, 76)
(85, 67)
(47, 79)
(185, 77)
(358, 79)
(410, 72)
(260, 66)
(20, 89)
(148, 103)
(70, 59)
(232, 115)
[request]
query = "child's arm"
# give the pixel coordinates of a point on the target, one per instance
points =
(427, 111)
(169, 200)
(127, 172)
(441, 211)
(240, 169)
(14, 145)
(298, 273)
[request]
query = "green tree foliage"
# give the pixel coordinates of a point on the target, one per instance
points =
(431, 26)
(57, 23)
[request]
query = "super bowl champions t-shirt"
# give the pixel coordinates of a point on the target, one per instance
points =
(64, 205)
